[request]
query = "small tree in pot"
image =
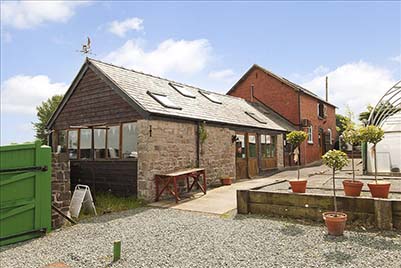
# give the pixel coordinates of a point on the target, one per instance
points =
(335, 221)
(373, 135)
(353, 137)
(295, 138)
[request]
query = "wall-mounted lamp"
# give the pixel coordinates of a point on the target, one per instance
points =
(234, 138)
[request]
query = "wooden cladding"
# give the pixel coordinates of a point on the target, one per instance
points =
(92, 102)
(118, 177)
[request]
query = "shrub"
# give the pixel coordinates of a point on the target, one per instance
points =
(296, 137)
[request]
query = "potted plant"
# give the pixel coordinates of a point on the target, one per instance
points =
(226, 180)
(373, 135)
(335, 221)
(352, 187)
(295, 138)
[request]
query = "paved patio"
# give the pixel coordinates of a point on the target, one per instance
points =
(222, 200)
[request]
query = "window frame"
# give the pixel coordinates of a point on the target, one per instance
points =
(255, 117)
(172, 105)
(330, 135)
(210, 97)
(310, 134)
(180, 89)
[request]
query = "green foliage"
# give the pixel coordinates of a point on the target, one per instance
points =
(44, 112)
(202, 133)
(341, 123)
(352, 136)
(385, 107)
(371, 134)
(296, 137)
(335, 159)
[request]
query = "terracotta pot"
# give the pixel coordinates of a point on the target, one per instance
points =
(352, 188)
(298, 186)
(335, 222)
(226, 181)
(379, 189)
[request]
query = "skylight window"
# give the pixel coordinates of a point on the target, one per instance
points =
(256, 117)
(164, 100)
(210, 97)
(182, 90)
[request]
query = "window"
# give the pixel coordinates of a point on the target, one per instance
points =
(240, 146)
(113, 142)
(129, 144)
(256, 117)
(330, 135)
(182, 90)
(252, 145)
(73, 144)
(164, 100)
(210, 97)
(310, 135)
(62, 141)
(321, 110)
(268, 146)
(99, 136)
(85, 146)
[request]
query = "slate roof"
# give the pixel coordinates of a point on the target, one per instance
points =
(283, 80)
(277, 118)
(137, 85)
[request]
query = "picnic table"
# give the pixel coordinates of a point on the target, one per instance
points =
(164, 181)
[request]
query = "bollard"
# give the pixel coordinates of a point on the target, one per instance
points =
(116, 250)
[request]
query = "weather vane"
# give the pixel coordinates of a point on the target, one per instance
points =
(86, 48)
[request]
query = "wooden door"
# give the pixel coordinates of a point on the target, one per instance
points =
(322, 145)
(241, 157)
(268, 149)
(252, 145)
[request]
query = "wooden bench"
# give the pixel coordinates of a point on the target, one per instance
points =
(164, 181)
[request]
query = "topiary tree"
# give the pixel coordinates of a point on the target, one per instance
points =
(372, 134)
(353, 137)
(295, 138)
(335, 160)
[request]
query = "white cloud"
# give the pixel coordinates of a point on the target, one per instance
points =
(223, 75)
(29, 14)
(120, 28)
(396, 58)
(181, 56)
(21, 94)
(354, 84)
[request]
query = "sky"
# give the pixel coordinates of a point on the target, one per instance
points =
(205, 44)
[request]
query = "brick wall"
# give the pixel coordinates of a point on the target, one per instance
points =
(61, 194)
(272, 92)
(165, 146)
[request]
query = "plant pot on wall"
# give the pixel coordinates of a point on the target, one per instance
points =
(298, 186)
(379, 189)
(226, 181)
(352, 188)
(335, 222)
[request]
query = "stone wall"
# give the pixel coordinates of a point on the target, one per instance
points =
(166, 146)
(61, 194)
(280, 151)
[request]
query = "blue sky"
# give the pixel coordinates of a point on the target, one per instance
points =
(206, 44)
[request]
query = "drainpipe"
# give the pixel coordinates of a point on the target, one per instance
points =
(299, 124)
(197, 144)
(252, 88)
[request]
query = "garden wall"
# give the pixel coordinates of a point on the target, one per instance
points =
(379, 213)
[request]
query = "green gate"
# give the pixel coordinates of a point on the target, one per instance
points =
(25, 192)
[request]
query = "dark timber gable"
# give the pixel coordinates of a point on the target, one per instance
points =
(94, 102)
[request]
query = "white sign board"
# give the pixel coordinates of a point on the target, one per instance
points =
(82, 198)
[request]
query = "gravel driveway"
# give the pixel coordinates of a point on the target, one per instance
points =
(170, 238)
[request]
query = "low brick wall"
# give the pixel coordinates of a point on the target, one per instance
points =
(383, 214)
(61, 194)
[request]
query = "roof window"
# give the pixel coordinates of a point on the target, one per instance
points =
(183, 91)
(256, 117)
(210, 97)
(164, 100)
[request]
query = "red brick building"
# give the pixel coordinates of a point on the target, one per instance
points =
(301, 107)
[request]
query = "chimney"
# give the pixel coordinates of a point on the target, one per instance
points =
(252, 87)
(327, 88)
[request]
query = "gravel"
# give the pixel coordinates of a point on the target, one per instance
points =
(171, 238)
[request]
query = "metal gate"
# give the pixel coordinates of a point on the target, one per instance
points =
(25, 192)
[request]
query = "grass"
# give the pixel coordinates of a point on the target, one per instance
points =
(108, 203)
